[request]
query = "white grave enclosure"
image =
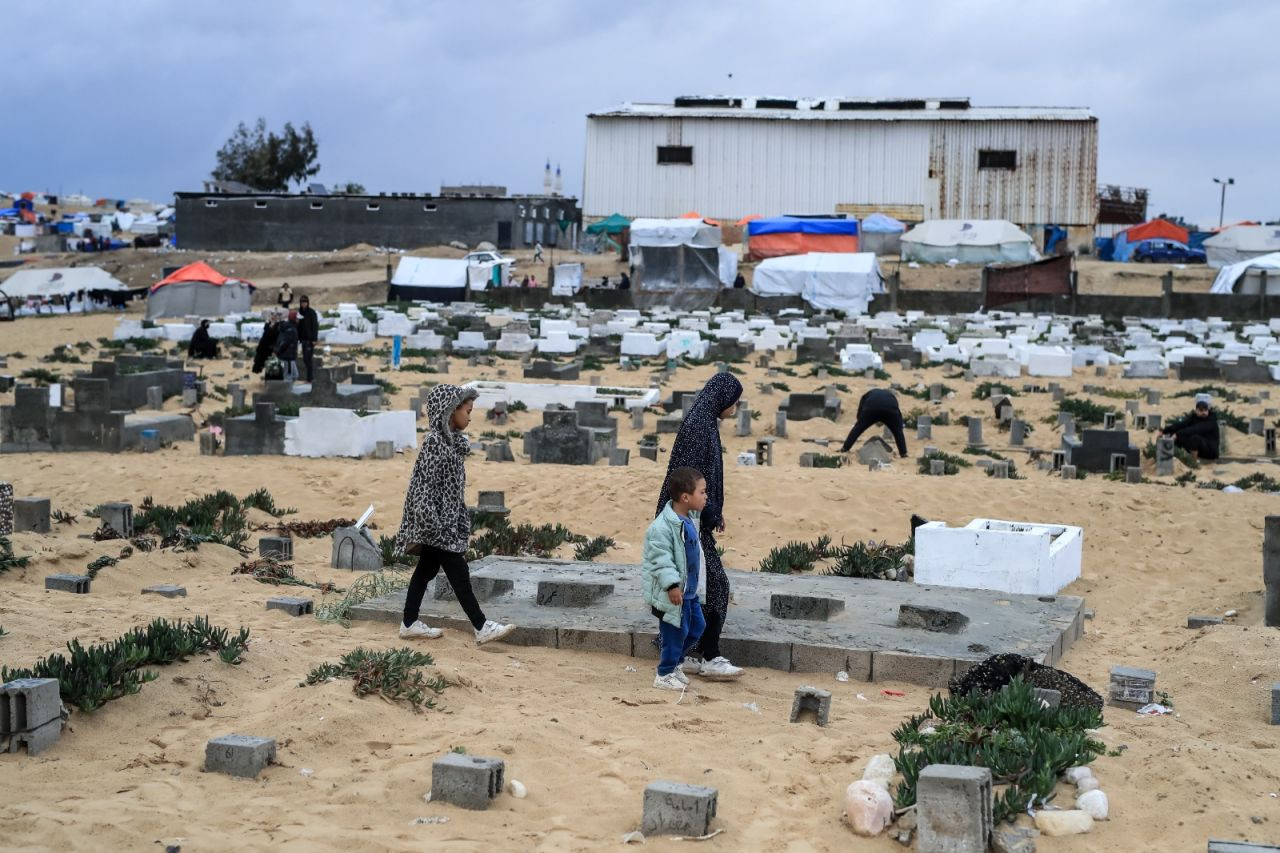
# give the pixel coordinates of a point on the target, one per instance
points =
(1025, 558)
(537, 396)
(341, 432)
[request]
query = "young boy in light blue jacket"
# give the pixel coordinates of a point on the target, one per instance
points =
(673, 574)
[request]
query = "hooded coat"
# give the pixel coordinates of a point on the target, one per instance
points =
(435, 507)
(698, 446)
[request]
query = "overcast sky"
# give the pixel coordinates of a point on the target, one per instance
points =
(133, 99)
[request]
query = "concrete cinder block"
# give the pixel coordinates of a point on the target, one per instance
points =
(672, 808)
(292, 605)
(1239, 847)
(78, 584)
(31, 515)
(168, 590)
(912, 668)
(785, 606)
(467, 781)
(239, 755)
(583, 640)
(1203, 621)
(27, 704)
(1275, 704)
(117, 516)
(566, 593)
(36, 740)
(931, 619)
(281, 547)
(811, 699)
(953, 809)
(1131, 687)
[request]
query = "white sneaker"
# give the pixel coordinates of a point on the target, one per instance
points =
(670, 681)
(678, 672)
(492, 631)
(419, 630)
(719, 669)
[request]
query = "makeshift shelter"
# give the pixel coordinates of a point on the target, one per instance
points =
(1242, 243)
(881, 234)
(1248, 276)
(60, 281)
(677, 263)
(1157, 229)
(200, 290)
(793, 235)
(615, 224)
(826, 280)
(968, 241)
(432, 279)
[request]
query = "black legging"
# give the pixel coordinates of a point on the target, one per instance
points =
(878, 407)
(1201, 446)
(308, 352)
(430, 562)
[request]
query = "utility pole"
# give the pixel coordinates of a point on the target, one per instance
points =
(1222, 205)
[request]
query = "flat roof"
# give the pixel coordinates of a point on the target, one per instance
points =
(771, 108)
(371, 196)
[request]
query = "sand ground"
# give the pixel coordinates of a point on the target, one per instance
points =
(583, 733)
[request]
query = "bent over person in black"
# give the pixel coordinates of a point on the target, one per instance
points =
(698, 446)
(878, 406)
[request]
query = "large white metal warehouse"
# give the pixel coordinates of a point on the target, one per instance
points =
(731, 157)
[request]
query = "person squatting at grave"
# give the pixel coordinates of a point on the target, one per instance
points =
(267, 343)
(697, 446)
(202, 345)
(308, 332)
(878, 406)
(673, 580)
(1197, 432)
(287, 346)
(436, 525)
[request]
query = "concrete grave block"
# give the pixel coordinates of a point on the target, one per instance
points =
(975, 433)
(1068, 472)
(28, 704)
(1017, 432)
(1203, 621)
(1131, 687)
(937, 467)
(466, 781)
(281, 547)
(811, 699)
(953, 809)
(583, 640)
(208, 444)
(155, 397)
(1133, 475)
(780, 424)
(1030, 558)
(1050, 698)
(786, 606)
(912, 668)
(166, 590)
(484, 587)
(499, 451)
(931, 619)
(31, 515)
(571, 593)
(6, 509)
(672, 808)
(78, 584)
(769, 654)
(384, 450)
(1271, 571)
(877, 450)
(355, 549)
(619, 456)
(1275, 704)
(291, 604)
(239, 755)
(1240, 847)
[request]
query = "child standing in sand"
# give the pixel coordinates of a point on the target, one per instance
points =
(673, 574)
(437, 525)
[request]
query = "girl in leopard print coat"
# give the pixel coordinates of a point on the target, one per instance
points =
(436, 525)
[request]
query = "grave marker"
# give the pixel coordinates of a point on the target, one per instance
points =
(811, 699)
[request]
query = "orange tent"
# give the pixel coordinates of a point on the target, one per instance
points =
(744, 220)
(1233, 225)
(693, 214)
(1157, 229)
(199, 271)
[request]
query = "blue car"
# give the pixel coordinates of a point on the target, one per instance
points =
(1167, 252)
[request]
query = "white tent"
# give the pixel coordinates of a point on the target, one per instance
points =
(677, 263)
(58, 281)
(1245, 276)
(1241, 242)
(838, 281)
(674, 232)
(969, 241)
(435, 279)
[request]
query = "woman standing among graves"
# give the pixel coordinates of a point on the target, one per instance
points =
(436, 525)
(267, 343)
(698, 446)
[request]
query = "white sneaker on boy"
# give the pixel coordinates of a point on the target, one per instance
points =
(668, 682)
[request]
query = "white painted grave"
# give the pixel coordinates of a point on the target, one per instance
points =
(1027, 558)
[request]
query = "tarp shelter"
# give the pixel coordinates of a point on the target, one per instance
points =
(677, 263)
(568, 279)
(1242, 243)
(792, 235)
(969, 241)
(881, 234)
(1008, 284)
(1157, 229)
(1248, 275)
(826, 280)
(60, 281)
(200, 290)
(432, 279)
(615, 224)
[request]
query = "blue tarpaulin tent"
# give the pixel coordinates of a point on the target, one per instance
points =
(797, 225)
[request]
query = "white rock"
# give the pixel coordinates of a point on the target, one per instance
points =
(1088, 783)
(517, 789)
(1075, 774)
(880, 769)
(868, 807)
(1095, 803)
(1064, 823)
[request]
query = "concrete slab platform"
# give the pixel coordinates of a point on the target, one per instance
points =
(863, 639)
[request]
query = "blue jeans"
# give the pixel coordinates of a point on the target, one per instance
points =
(677, 641)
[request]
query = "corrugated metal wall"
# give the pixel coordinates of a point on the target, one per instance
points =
(743, 167)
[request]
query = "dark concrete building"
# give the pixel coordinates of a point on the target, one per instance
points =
(272, 222)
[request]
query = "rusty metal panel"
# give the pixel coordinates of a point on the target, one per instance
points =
(1050, 277)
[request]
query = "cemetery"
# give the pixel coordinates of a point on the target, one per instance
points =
(1042, 544)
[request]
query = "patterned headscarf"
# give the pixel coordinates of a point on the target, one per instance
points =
(698, 446)
(442, 402)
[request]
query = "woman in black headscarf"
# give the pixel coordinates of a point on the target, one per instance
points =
(697, 446)
(202, 344)
(267, 343)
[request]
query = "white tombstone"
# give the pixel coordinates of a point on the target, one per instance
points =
(1026, 558)
(557, 343)
(685, 342)
(515, 342)
(860, 357)
(342, 432)
(642, 344)
(471, 341)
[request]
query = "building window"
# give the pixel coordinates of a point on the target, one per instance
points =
(675, 155)
(372, 207)
(210, 202)
(259, 204)
(317, 205)
(429, 208)
(997, 159)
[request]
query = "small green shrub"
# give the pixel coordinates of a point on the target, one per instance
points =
(393, 674)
